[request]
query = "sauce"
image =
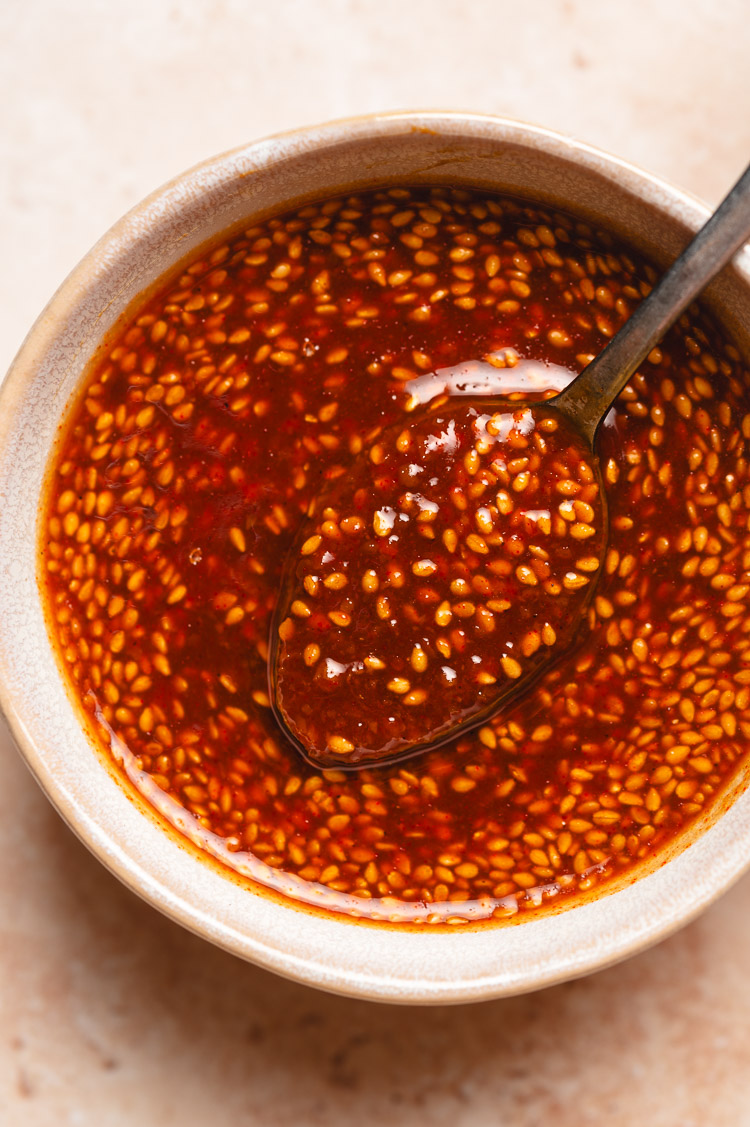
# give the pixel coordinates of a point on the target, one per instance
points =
(444, 570)
(264, 369)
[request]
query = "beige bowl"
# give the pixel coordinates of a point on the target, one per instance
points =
(335, 954)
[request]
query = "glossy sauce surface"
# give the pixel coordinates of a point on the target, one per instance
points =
(196, 447)
(436, 577)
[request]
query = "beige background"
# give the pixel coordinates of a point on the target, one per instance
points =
(109, 1014)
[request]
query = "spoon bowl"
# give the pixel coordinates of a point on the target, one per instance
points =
(448, 568)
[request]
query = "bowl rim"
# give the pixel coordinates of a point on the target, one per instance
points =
(415, 979)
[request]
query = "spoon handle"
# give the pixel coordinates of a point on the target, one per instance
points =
(588, 398)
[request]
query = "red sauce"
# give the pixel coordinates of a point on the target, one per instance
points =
(200, 440)
(440, 574)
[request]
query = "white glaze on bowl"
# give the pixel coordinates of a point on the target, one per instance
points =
(334, 954)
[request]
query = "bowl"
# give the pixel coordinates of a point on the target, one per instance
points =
(336, 954)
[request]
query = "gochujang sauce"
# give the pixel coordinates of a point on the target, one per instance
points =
(485, 522)
(199, 441)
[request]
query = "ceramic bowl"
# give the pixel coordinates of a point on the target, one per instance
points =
(335, 954)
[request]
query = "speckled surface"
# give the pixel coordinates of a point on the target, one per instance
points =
(112, 1015)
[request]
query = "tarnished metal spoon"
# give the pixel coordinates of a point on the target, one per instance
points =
(485, 511)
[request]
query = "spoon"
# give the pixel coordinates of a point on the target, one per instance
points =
(454, 562)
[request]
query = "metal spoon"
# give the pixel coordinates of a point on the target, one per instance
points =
(355, 682)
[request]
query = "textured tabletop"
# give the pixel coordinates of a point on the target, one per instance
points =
(110, 1015)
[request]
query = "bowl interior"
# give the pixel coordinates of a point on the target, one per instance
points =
(250, 183)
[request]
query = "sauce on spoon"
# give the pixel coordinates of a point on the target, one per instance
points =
(456, 559)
